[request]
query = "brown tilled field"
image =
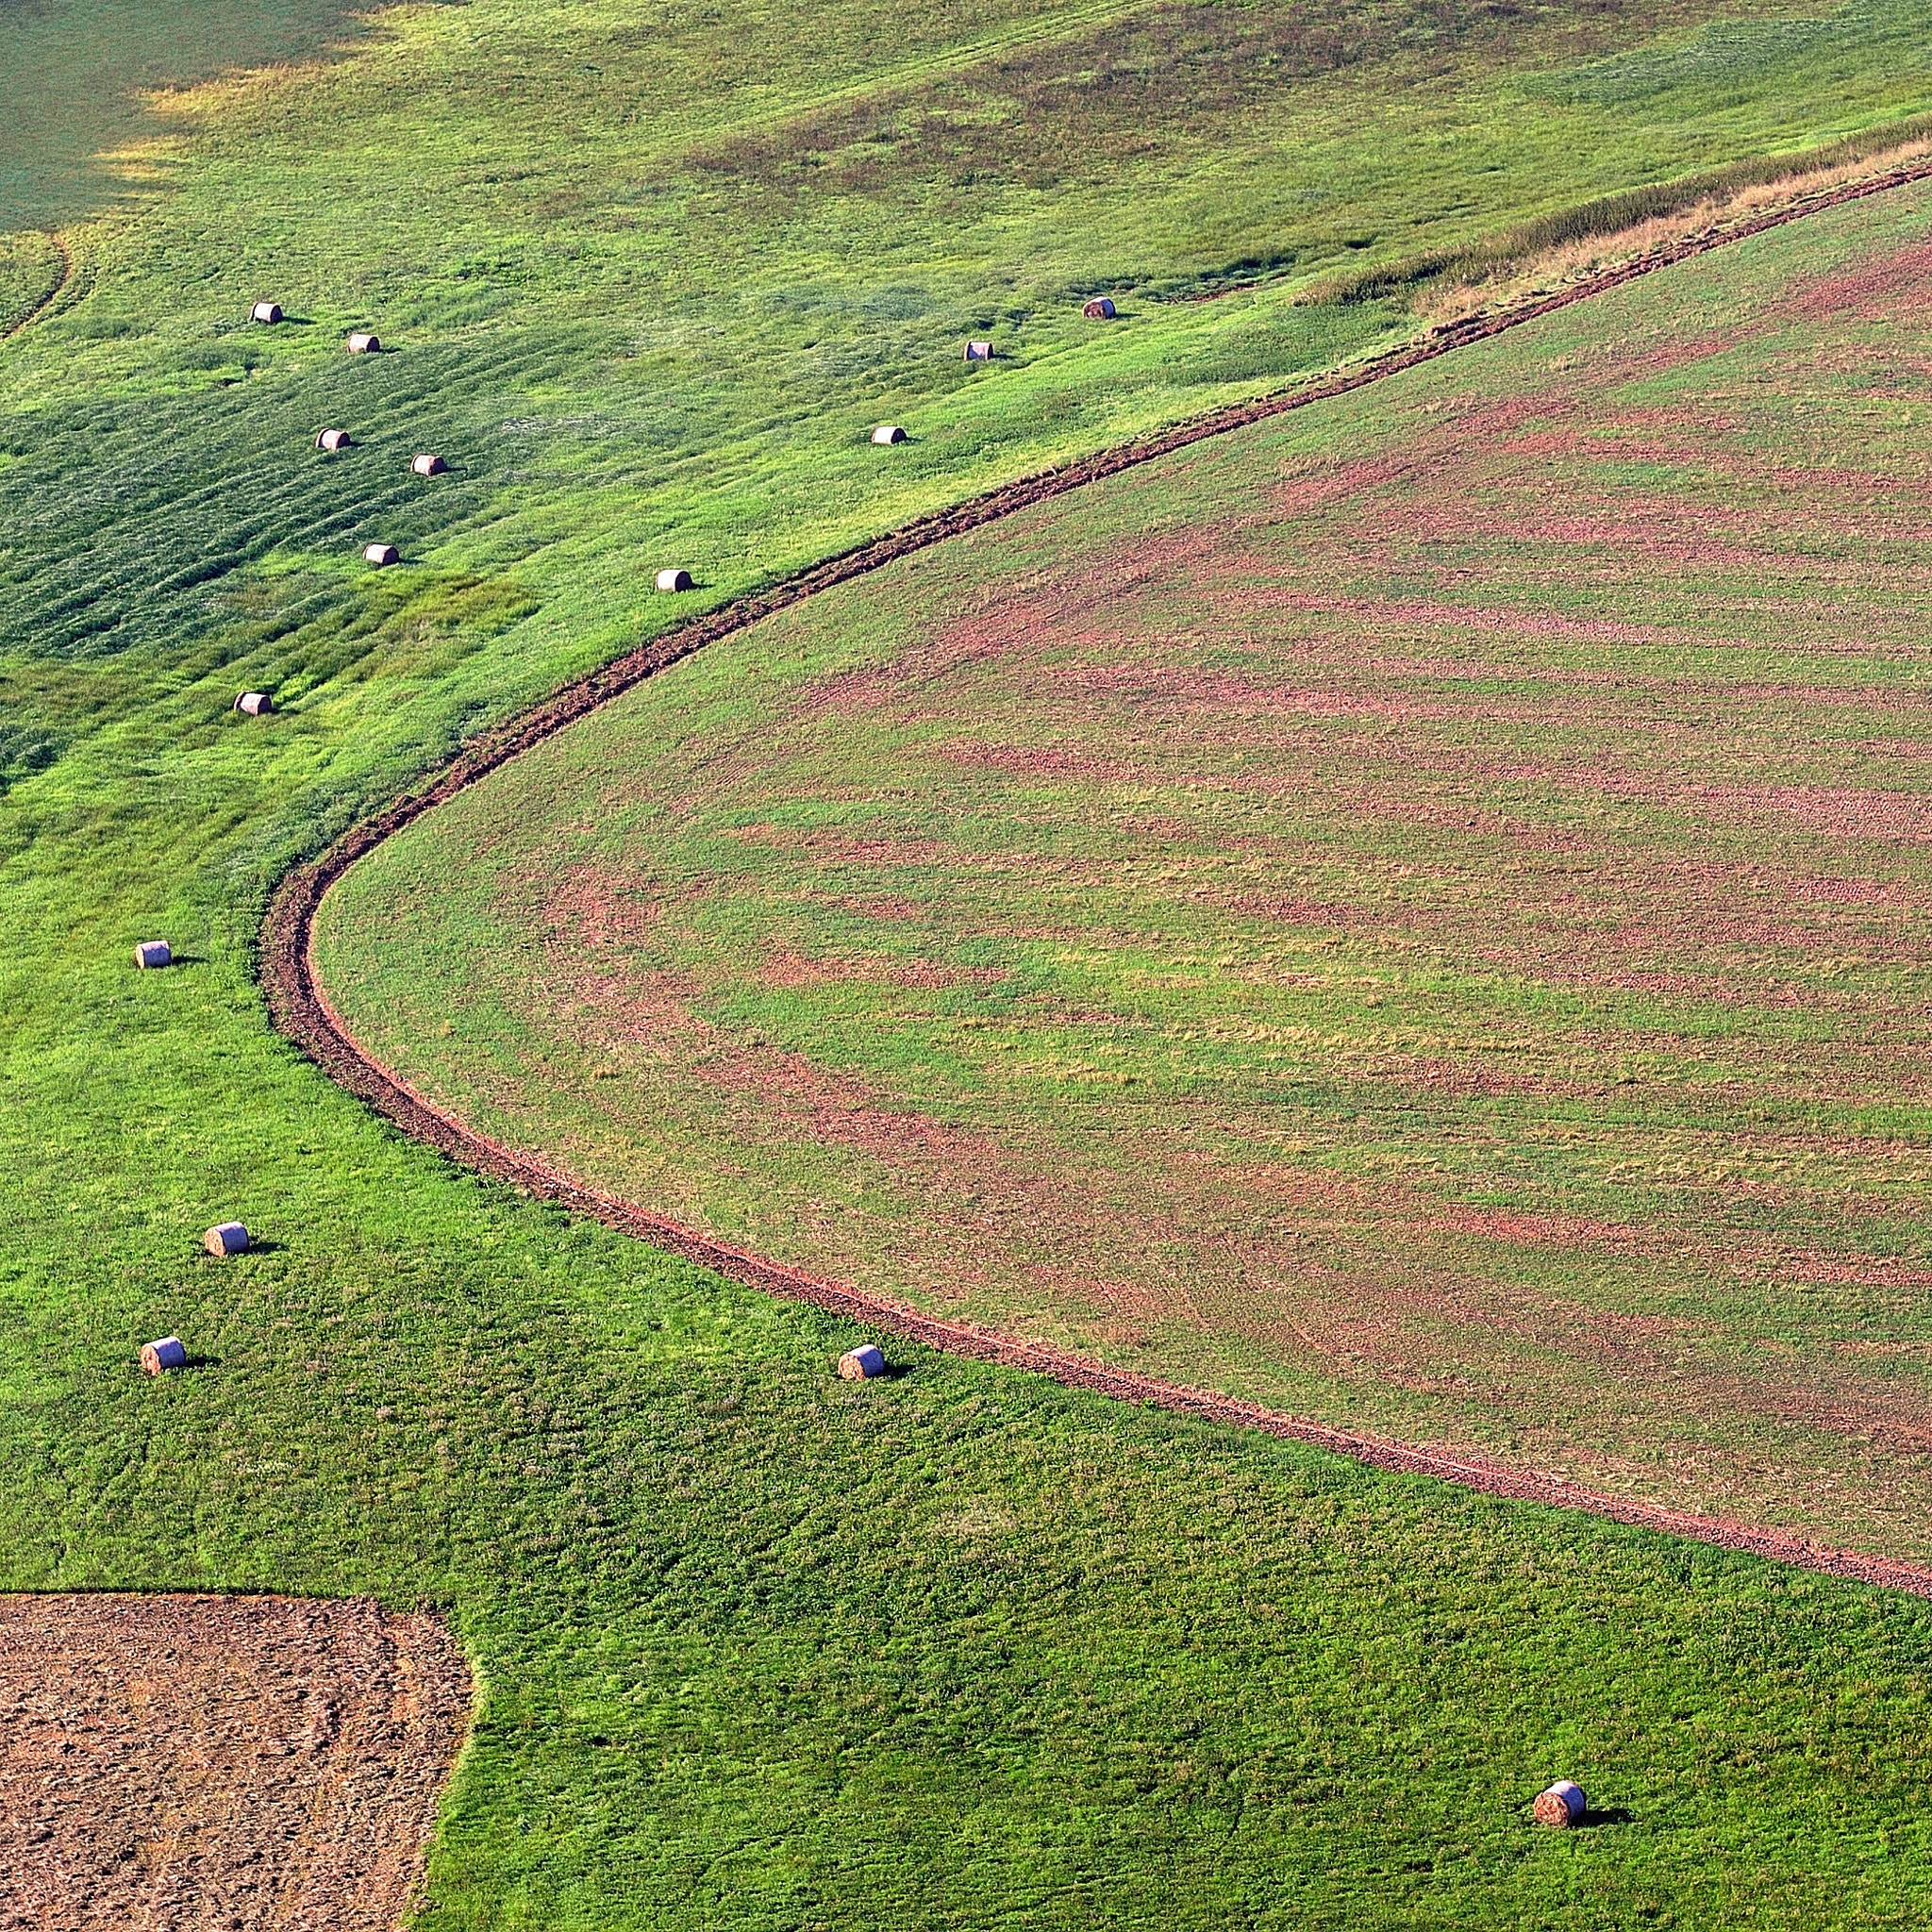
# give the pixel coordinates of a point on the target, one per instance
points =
(220, 1763)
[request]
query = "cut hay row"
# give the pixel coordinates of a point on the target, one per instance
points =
(302, 1010)
(361, 342)
(79, 597)
(428, 463)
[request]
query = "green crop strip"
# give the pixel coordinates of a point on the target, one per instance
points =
(758, 1650)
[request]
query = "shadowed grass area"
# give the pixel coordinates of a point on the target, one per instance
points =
(1413, 910)
(82, 77)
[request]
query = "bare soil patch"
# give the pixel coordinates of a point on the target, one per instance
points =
(220, 1762)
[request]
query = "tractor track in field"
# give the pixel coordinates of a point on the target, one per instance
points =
(302, 1012)
(41, 303)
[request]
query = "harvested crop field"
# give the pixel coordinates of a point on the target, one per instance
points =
(1415, 910)
(175, 1761)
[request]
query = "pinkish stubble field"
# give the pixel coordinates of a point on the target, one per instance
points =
(1419, 913)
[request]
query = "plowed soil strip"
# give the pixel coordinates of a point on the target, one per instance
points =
(205, 1760)
(303, 1013)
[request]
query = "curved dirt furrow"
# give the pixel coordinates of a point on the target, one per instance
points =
(303, 1013)
(42, 303)
(329, 1038)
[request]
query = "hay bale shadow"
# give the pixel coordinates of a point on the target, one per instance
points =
(1593, 1818)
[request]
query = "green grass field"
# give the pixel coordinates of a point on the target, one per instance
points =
(758, 1649)
(1412, 911)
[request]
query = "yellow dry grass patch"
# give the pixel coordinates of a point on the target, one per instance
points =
(1507, 284)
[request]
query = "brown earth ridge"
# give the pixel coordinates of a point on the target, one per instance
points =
(302, 1011)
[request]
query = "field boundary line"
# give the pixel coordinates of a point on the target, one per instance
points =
(353, 1066)
(302, 1012)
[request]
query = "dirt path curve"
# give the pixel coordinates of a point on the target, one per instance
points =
(41, 303)
(302, 1011)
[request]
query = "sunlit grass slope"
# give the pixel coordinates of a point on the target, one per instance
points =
(1416, 911)
(759, 1652)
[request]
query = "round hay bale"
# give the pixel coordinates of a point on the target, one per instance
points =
(861, 1364)
(266, 312)
(1562, 1806)
(362, 344)
(889, 432)
(154, 953)
(379, 554)
(674, 580)
(254, 703)
(429, 466)
(1099, 309)
(332, 439)
(160, 1357)
(230, 1238)
(979, 352)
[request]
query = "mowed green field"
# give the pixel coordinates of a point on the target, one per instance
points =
(652, 274)
(1416, 911)
(755, 1649)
